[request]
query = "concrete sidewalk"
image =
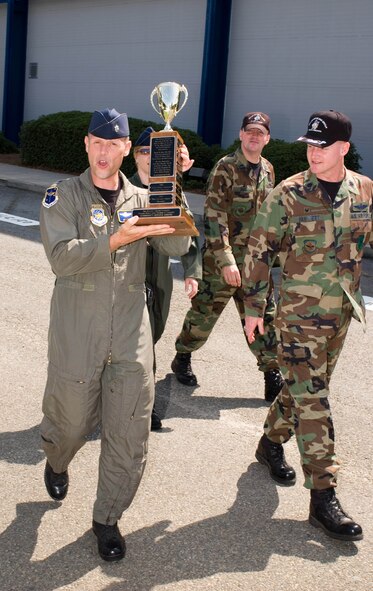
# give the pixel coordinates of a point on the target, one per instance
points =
(207, 517)
(32, 179)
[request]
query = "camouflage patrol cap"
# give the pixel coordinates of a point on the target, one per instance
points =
(108, 124)
(256, 119)
(327, 127)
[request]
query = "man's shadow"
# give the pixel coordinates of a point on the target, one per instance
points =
(174, 400)
(21, 447)
(19, 572)
(241, 540)
(24, 447)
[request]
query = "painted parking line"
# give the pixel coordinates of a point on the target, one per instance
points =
(368, 302)
(18, 221)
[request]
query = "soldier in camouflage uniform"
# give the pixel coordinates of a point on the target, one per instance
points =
(318, 222)
(237, 187)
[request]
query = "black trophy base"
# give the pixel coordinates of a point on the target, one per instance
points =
(176, 217)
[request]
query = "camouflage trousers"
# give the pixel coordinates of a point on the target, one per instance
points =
(302, 408)
(207, 306)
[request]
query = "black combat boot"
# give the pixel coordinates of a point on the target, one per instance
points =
(326, 512)
(272, 455)
(110, 542)
(156, 423)
(273, 382)
(182, 369)
(56, 484)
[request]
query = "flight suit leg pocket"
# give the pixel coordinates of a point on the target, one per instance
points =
(126, 393)
(65, 399)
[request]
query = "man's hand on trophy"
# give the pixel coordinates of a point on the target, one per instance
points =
(129, 232)
(186, 162)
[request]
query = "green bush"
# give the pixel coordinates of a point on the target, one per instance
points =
(6, 146)
(288, 158)
(56, 142)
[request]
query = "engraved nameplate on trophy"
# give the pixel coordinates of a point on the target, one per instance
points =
(166, 200)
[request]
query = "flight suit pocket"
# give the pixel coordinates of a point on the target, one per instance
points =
(126, 392)
(66, 398)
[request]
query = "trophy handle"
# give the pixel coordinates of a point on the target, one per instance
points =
(154, 91)
(184, 90)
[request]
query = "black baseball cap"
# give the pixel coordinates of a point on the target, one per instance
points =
(256, 119)
(327, 127)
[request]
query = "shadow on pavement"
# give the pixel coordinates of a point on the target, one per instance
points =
(241, 540)
(186, 406)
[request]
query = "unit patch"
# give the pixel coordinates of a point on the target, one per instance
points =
(309, 246)
(50, 197)
(98, 217)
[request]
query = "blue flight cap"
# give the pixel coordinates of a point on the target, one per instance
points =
(144, 137)
(109, 124)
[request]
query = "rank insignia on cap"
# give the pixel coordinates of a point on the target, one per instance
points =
(50, 197)
(123, 216)
(98, 217)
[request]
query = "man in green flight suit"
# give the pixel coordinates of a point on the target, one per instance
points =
(159, 280)
(236, 188)
(100, 345)
(317, 222)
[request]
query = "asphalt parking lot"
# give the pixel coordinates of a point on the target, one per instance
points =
(206, 515)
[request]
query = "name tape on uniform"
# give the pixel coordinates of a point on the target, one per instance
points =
(18, 221)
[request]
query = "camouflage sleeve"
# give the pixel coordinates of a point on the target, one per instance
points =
(217, 211)
(266, 239)
(192, 261)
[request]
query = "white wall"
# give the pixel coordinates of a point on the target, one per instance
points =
(3, 17)
(292, 57)
(93, 54)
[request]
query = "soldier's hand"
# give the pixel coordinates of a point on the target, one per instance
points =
(231, 275)
(129, 232)
(251, 324)
(191, 287)
(186, 162)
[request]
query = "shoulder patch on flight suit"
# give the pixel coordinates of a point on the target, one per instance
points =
(98, 217)
(51, 196)
(124, 216)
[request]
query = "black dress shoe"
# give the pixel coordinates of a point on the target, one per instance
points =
(156, 423)
(326, 512)
(273, 382)
(182, 368)
(56, 484)
(110, 542)
(272, 455)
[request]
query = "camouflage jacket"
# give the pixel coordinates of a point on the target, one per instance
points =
(320, 247)
(234, 195)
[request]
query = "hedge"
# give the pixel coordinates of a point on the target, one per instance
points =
(6, 146)
(56, 142)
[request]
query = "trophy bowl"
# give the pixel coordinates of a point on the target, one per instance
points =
(168, 95)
